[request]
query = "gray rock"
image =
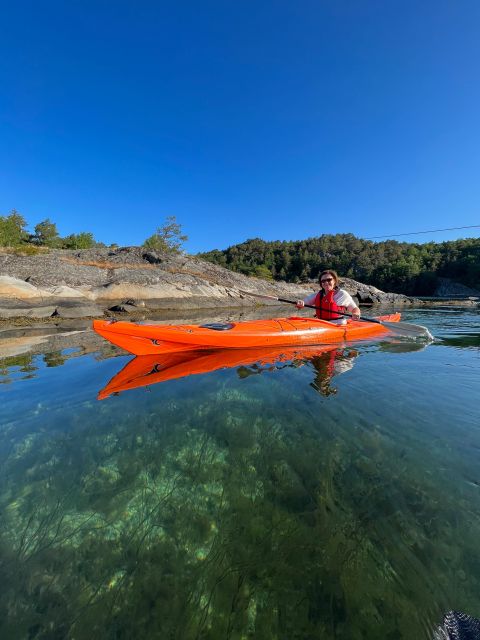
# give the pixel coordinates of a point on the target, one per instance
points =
(446, 287)
(79, 310)
(368, 294)
(152, 257)
(98, 279)
(123, 308)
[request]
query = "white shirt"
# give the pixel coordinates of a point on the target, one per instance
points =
(340, 297)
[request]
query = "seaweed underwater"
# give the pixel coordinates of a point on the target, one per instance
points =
(228, 508)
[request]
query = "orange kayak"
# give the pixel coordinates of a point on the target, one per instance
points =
(143, 371)
(146, 339)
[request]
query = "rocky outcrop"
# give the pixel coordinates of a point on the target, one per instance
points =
(367, 294)
(72, 284)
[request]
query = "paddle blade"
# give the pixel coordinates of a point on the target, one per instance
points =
(408, 330)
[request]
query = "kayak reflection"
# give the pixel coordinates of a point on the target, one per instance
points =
(326, 360)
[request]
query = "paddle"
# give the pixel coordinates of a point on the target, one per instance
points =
(399, 328)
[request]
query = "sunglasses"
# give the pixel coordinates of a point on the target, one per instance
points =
(326, 280)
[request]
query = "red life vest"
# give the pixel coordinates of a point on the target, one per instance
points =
(327, 305)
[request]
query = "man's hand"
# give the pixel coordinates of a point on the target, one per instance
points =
(300, 304)
(356, 313)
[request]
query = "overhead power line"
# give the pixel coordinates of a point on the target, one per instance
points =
(414, 233)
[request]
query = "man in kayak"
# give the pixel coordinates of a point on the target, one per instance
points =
(331, 300)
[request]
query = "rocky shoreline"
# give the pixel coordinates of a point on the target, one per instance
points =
(47, 301)
(137, 282)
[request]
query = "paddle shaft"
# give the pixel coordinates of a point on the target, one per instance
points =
(340, 313)
(400, 328)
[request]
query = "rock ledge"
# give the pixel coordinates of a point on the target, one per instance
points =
(89, 283)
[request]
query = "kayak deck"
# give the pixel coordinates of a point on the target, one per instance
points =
(146, 339)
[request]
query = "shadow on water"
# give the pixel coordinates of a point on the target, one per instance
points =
(237, 504)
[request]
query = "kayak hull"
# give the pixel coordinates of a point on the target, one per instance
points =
(145, 339)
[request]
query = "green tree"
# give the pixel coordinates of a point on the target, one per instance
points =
(168, 238)
(13, 229)
(83, 240)
(46, 234)
(264, 272)
(392, 266)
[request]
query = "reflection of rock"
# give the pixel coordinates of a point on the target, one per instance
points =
(36, 337)
(41, 339)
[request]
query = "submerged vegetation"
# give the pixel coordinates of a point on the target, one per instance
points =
(222, 507)
(392, 266)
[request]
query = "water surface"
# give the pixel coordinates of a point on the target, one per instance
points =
(335, 496)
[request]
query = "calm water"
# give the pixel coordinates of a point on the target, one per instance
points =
(332, 497)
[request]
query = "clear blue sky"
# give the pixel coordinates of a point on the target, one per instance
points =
(272, 119)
